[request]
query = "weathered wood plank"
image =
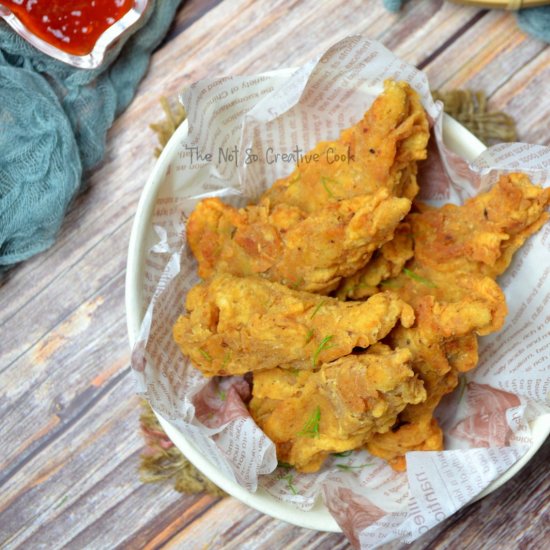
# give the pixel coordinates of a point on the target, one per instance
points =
(84, 490)
(511, 68)
(69, 421)
(232, 526)
(485, 55)
(521, 96)
(422, 30)
(59, 377)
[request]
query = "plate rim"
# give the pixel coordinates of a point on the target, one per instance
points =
(318, 518)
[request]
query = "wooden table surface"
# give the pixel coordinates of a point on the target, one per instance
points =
(69, 438)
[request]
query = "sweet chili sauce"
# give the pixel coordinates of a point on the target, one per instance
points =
(70, 25)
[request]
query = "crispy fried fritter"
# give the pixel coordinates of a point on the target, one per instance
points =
(236, 325)
(451, 305)
(422, 434)
(481, 236)
(325, 220)
(382, 149)
(443, 342)
(310, 252)
(458, 251)
(309, 415)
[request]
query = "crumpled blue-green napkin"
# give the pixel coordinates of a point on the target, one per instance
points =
(53, 123)
(533, 21)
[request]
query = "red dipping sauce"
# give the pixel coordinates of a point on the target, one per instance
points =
(72, 26)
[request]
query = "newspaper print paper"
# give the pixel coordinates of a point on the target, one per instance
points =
(233, 122)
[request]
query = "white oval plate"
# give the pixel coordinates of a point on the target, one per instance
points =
(459, 140)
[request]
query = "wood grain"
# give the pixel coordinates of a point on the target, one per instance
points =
(69, 438)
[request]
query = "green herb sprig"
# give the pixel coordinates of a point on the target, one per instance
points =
(289, 478)
(311, 427)
(418, 278)
(61, 501)
(323, 346)
(324, 182)
(317, 308)
(226, 358)
(297, 284)
(343, 454)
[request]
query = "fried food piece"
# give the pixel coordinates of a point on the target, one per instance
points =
(482, 235)
(419, 435)
(236, 325)
(382, 150)
(387, 262)
(307, 251)
(461, 352)
(325, 220)
(458, 251)
(451, 305)
(309, 415)
(450, 312)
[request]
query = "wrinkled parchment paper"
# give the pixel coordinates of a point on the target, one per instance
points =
(237, 125)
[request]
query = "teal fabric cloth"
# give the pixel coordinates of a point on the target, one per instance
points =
(533, 21)
(53, 124)
(536, 22)
(393, 5)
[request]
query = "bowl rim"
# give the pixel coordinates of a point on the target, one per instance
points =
(459, 140)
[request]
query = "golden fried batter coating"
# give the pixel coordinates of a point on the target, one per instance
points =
(442, 342)
(236, 325)
(324, 221)
(482, 235)
(310, 252)
(309, 415)
(383, 149)
(458, 251)
(419, 435)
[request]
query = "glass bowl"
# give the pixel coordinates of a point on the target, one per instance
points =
(104, 42)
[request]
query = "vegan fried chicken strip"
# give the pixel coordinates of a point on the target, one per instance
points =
(443, 342)
(309, 252)
(310, 414)
(325, 220)
(481, 236)
(383, 149)
(458, 251)
(236, 325)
